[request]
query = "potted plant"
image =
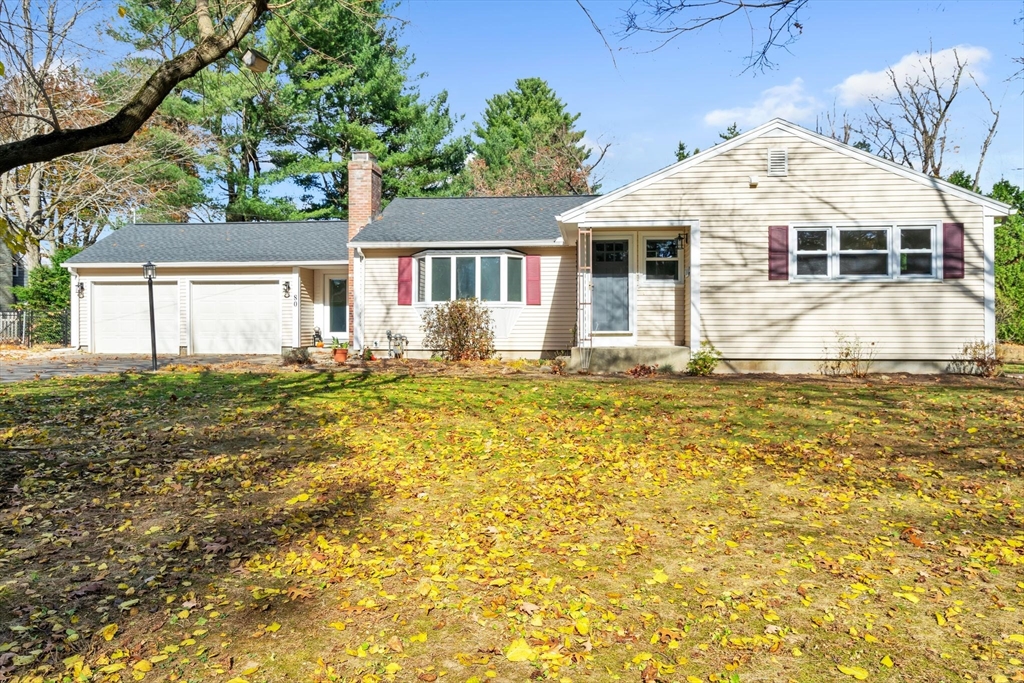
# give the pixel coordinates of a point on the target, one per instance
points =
(340, 349)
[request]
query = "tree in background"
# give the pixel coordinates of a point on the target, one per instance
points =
(341, 82)
(728, 134)
(910, 125)
(527, 144)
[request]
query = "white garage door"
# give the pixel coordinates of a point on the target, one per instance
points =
(121, 317)
(236, 317)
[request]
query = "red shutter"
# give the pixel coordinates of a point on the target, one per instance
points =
(405, 280)
(533, 280)
(778, 252)
(952, 251)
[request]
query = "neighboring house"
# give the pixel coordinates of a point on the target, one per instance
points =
(766, 245)
(12, 274)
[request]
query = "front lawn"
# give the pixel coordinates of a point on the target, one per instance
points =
(318, 527)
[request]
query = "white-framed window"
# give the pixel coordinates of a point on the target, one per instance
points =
(661, 260)
(877, 251)
(497, 276)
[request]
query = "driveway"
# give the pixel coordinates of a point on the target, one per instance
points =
(19, 366)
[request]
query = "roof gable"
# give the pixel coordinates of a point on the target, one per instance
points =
(579, 213)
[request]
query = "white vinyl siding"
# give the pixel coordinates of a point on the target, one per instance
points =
(749, 317)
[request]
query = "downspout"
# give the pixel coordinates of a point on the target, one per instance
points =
(358, 298)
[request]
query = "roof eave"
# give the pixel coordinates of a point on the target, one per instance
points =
(451, 244)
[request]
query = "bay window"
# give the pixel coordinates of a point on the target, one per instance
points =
(494, 276)
(864, 252)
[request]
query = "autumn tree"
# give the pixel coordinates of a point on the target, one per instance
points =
(71, 200)
(527, 144)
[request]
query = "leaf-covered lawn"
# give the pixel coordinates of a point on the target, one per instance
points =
(320, 527)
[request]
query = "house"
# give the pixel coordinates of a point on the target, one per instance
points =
(12, 274)
(766, 245)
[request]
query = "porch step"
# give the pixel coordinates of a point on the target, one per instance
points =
(622, 358)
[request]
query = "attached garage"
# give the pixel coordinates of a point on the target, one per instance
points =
(120, 315)
(236, 317)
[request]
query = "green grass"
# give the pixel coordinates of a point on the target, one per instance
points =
(305, 526)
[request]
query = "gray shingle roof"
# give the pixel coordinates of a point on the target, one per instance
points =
(221, 242)
(469, 219)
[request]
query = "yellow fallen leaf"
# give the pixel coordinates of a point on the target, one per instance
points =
(155, 659)
(870, 638)
(108, 631)
(273, 627)
(940, 618)
(857, 672)
(520, 651)
(392, 668)
(1016, 638)
(908, 596)
(660, 576)
(887, 661)
(238, 679)
(693, 679)
(583, 626)
(338, 625)
(113, 668)
(418, 638)
(143, 665)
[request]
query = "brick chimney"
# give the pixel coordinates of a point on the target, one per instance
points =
(363, 207)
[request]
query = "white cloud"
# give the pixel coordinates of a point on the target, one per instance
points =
(861, 87)
(789, 102)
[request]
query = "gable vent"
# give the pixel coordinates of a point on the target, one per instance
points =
(778, 162)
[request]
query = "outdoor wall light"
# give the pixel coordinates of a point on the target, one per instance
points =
(754, 180)
(80, 290)
(287, 289)
(682, 239)
(255, 60)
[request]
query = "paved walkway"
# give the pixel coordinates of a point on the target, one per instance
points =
(65, 363)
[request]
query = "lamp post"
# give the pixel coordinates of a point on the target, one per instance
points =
(149, 272)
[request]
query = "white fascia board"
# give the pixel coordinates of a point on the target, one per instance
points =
(214, 264)
(578, 213)
(476, 244)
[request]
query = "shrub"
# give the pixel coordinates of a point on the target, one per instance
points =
(848, 356)
(977, 358)
(459, 330)
(704, 360)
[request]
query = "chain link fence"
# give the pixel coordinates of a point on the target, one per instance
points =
(29, 328)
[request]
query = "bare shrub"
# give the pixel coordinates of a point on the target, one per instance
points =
(977, 358)
(459, 330)
(848, 355)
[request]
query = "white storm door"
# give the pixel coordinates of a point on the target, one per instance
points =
(335, 308)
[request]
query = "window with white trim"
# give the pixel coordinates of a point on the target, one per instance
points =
(661, 259)
(490, 276)
(864, 252)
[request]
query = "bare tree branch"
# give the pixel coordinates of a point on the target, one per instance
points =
(125, 123)
(988, 138)
(597, 28)
(669, 19)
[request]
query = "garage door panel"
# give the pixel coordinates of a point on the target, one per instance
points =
(236, 317)
(121, 317)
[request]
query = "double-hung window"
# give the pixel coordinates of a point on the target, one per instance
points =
(661, 259)
(494, 276)
(864, 252)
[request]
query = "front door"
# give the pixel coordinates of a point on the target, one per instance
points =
(611, 285)
(336, 305)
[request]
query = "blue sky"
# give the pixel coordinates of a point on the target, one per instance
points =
(694, 87)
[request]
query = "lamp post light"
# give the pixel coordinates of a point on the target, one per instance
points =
(149, 272)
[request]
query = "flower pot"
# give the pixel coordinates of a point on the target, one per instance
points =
(340, 355)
